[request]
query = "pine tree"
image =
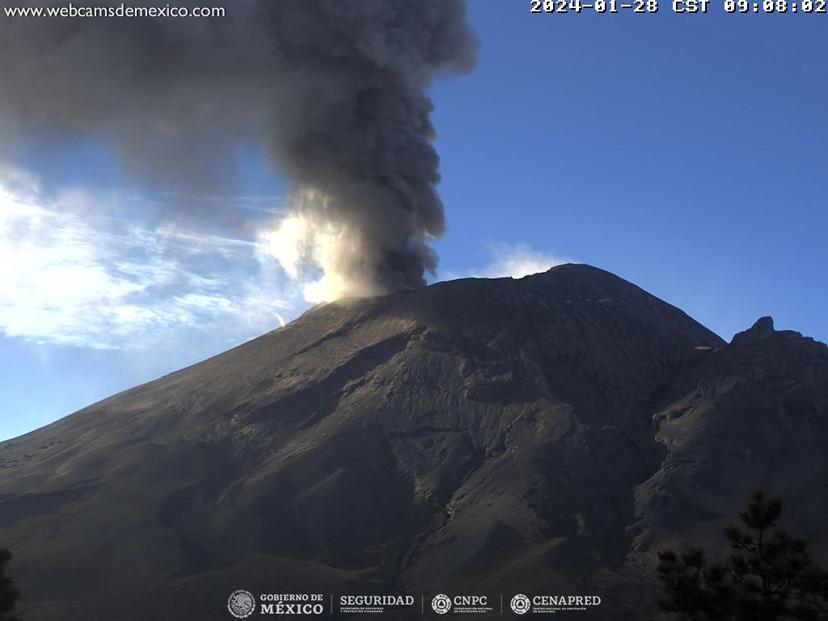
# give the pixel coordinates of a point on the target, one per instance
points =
(768, 576)
(8, 592)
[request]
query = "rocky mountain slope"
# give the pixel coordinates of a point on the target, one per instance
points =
(543, 435)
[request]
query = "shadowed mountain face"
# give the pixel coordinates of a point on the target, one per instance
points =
(545, 435)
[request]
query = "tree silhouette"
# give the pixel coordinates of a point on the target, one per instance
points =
(768, 576)
(8, 592)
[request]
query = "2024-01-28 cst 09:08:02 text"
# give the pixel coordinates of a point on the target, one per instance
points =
(788, 7)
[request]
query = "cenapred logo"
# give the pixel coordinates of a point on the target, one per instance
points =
(520, 604)
(441, 604)
(241, 604)
(551, 604)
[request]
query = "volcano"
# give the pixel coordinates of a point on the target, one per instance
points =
(542, 435)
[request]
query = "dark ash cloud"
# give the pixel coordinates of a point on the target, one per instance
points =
(336, 89)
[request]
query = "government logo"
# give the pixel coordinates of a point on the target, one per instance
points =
(241, 604)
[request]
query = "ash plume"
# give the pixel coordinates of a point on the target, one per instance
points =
(335, 89)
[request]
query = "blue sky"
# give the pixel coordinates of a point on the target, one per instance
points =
(684, 153)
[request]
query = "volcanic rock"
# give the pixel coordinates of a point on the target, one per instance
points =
(544, 436)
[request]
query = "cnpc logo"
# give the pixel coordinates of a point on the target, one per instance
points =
(442, 603)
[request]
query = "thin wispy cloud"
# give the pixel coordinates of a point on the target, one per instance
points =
(76, 273)
(511, 260)
(71, 276)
